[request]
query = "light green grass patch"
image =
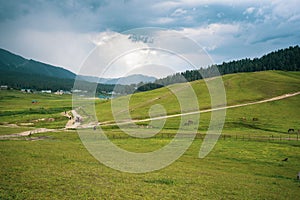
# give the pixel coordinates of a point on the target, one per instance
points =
(5, 130)
(234, 169)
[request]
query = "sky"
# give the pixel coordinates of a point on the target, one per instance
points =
(65, 33)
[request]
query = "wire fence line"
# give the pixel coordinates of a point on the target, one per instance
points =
(200, 136)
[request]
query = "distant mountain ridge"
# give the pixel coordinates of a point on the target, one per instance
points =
(19, 72)
(11, 63)
(128, 80)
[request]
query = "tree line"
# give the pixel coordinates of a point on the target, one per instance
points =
(284, 59)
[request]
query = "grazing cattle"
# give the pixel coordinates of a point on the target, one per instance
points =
(243, 119)
(291, 130)
(298, 177)
(286, 159)
(189, 122)
(255, 119)
(51, 120)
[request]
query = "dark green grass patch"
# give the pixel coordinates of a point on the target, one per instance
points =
(61, 168)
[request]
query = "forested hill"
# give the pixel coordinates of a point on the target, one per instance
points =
(285, 59)
(18, 72)
(11, 63)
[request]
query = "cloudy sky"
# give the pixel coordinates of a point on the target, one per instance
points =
(63, 33)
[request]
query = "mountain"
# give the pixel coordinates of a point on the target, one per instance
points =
(131, 79)
(11, 63)
(18, 72)
(128, 80)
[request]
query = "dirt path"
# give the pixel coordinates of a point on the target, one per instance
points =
(75, 121)
(202, 111)
(27, 133)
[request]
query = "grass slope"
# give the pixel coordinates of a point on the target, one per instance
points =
(17, 108)
(59, 167)
(240, 88)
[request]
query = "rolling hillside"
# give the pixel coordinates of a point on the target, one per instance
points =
(249, 159)
(11, 63)
(18, 72)
(240, 88)
(287, 59)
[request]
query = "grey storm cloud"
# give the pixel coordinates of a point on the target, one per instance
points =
(63, 32)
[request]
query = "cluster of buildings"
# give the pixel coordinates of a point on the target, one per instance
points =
(58, 92)
(28, 90)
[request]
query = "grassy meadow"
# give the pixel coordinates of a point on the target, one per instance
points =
(247, 165)
(18, 108)
(241, 88)
(61, 168)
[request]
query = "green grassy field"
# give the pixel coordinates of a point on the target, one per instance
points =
(241, 88)
(17, 108)
(247, 165)
(61, 168)
(272, 118)
(6, 130)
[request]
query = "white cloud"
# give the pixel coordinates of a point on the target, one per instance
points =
(249, 11)
(285, 9)
(103, 37)
(59, 48)
(195, 3)
(63, 33)
(178, 12)
(212, 36)
(167, 53)
(162, 21)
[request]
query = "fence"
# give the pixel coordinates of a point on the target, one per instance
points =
(240, 137)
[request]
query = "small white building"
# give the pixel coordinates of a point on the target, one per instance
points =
(27, 90)
(59, 92)
(3, 87)
(46, 91)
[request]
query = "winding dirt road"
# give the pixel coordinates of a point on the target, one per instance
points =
(203, 111)
(75, 124)
(27, 133)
